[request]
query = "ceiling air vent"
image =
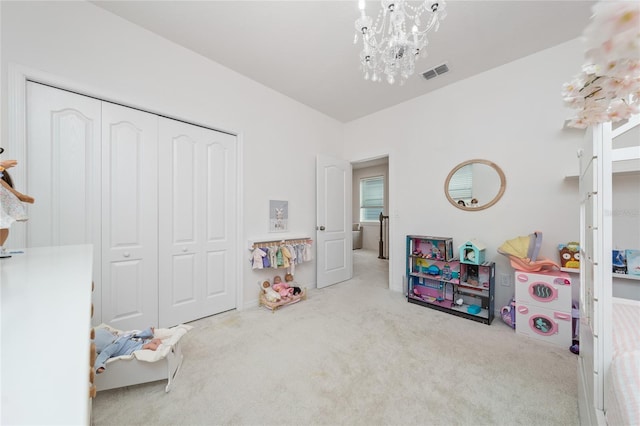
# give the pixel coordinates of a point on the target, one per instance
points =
(434, 72)
(428, 75)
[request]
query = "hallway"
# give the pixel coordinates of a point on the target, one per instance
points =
(367, 266)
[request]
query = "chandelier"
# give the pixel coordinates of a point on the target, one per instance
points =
(398, 37)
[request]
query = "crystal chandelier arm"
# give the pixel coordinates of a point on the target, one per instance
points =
(388, 47)
(377, 28)
(434, 20)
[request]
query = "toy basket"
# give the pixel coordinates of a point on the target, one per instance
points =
(274, 306)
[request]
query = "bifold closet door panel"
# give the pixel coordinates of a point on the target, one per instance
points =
(63, 153)
(63, 171)
(197, 238)
(129, 217)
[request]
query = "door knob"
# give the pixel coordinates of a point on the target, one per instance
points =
(322, 228)
(126, 254)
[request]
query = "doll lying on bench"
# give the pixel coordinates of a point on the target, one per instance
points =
(110, 344)
(145, 356)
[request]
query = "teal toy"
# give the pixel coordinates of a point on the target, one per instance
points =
(433, 270)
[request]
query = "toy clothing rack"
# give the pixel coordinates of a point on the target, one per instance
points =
(285, 253)
(275, 243)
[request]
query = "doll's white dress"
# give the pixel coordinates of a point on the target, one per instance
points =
(11, 208)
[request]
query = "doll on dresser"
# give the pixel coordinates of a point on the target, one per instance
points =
(12, 208)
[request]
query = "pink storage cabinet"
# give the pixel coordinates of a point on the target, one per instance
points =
(543, 306)
(548, 325)
(551, 289)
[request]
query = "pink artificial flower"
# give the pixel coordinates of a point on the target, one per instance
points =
(609, 19)
(608, 89)
(578, 123)
(614, 32)
(571, 89)
(613, 87)
(620, 110)
(596, 113)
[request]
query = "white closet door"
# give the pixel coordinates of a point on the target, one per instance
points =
(63, 154)
(197, 247)
(129, 217)
(63, 172)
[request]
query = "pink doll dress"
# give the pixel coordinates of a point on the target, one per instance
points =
(11, 208)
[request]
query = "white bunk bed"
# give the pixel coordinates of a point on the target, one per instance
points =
(609, 361)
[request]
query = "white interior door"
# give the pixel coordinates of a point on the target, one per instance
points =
(197, 222)
(63, 153)
(130, 217)
(63, 172)
(333, 215)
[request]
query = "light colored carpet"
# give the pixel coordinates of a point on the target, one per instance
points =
(354, 354)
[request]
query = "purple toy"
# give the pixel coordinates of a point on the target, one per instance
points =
(508, 313)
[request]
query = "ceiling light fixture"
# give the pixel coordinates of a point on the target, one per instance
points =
(388, 47)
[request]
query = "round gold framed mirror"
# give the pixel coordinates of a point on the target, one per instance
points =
(475, 185)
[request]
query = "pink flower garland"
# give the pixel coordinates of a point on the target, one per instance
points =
(608, 88)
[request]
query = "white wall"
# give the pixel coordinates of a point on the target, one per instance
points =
(512, 115)
(370, 230)
(111, 58)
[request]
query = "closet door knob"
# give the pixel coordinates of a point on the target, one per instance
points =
(322, 228)
(126, 254)
(185, 249)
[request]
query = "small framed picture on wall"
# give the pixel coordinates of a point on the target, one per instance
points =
(278, 216)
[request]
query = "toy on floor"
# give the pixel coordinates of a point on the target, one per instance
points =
(111, 345)
(282, 288)
(270, 294)
(575, 347)
(288, 278)
(523, 253)
(272, 299)
(508, 313)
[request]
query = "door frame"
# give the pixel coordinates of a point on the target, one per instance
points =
(392, 223)
(17, 78)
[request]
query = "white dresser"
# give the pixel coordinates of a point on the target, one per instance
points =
(46, 324)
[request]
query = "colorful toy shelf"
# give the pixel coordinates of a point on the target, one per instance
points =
(440, 281)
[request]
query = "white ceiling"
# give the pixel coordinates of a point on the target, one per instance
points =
(305, 50)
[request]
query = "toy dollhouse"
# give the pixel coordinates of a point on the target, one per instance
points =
(435, 248)
(472, 252)
(450, 285)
